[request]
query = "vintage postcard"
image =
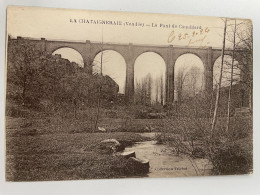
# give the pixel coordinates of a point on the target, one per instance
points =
(98, 94)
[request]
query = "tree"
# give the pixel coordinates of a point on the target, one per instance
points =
(157, 90)
(22, 66)
(161, 89)
(194, 81)
(147, 89)
(181, 77)
(231, 77)
(138, 92)
(220, 79)
(244, 52)
(143, 90)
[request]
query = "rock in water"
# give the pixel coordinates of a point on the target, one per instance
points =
(139, 166)
(128, 154)
(110, 141)
(109, 145)
(102, 129)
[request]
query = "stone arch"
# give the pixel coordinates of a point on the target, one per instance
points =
(237, 56)
(98, 47)
(114, 72)
(70, 48)
(96, 52)
(192, 53)
(226, 54)
(236, 70)
(185, 75)
(61, 47)
(154, 76)
(161, 54)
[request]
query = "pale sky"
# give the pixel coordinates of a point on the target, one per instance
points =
(70, 54)
(55, 24)
(113, 65)
(153, 64)
(185, 63)
(226, 75)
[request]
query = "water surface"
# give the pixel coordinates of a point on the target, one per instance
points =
(165, 163)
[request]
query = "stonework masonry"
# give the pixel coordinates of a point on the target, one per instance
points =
(130, 53)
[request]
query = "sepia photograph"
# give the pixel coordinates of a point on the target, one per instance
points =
(104, 95)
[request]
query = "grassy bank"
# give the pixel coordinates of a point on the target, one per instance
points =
(62, 155)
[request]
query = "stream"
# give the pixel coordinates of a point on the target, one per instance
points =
(165, 163)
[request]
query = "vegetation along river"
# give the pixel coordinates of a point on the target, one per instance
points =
(165, 163)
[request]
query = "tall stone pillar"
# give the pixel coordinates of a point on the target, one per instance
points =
(88, 61)
(19, 38)
(43, 44)
(209, 72)
(169, 77)
(129, 86)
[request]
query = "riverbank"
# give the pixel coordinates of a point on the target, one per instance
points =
(164, 162)
(63, 156)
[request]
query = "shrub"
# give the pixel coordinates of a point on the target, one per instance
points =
(232, 159)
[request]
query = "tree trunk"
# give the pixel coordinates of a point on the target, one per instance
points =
(220, 80)
(75, 108)
(98, 110)
(161, 82)
(24, 90)
(231, 79)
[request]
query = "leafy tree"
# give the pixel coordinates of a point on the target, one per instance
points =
(23, 71)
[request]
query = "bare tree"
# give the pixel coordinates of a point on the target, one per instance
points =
(161, 89)
(241, 38)
(149, 88)
(231, 77)
(146, 89)
(244, 51)
(157, 90)
(220, 79)
(181, 77)
(99, 87)
(194, 80)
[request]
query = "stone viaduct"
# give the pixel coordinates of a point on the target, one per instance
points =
(130, 53)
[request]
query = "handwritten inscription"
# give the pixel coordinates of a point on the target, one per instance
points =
(193, 38)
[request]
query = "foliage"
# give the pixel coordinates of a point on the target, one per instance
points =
(23, 71)
(232, 158)
(229, 152)
(41, 81)
(143, 91)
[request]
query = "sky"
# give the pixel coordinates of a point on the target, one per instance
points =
(137, 28)
(56, 24)
(112, 61)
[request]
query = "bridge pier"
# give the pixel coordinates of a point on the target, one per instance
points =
(87, 58)
(43, 44)
(208, 72)
(169, 87)
(129, 85)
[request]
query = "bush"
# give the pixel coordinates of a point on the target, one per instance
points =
(229, 152)
(232, 159)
